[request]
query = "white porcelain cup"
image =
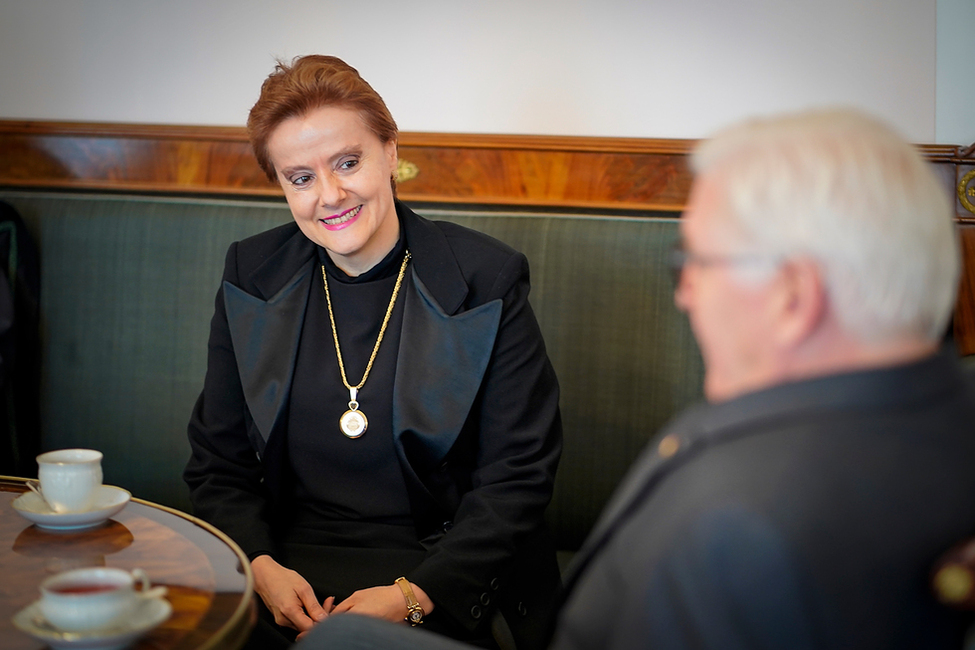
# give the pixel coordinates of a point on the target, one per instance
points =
(94, 598)
(69, 479)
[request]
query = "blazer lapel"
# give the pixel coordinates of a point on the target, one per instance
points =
(437, 340)
(455, 350)
(266, 329)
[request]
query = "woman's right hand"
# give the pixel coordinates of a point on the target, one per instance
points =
(289, 596)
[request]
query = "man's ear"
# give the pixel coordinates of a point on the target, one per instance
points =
(800, 301)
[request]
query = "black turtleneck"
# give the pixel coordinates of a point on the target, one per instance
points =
(342, 485)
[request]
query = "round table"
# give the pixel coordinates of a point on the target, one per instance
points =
(209, 580)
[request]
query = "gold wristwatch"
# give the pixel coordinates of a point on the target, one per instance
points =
(414, 613)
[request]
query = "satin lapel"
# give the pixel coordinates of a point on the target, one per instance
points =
(265, 336)
(455, 350)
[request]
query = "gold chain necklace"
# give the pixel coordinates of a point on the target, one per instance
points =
(353, 422)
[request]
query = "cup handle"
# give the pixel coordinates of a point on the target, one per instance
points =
(155, 592)
(145, 592)
(35, 486)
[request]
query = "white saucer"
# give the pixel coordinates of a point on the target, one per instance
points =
(108, 502)
(148, 615)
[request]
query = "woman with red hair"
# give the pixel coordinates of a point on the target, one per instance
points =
(379, 426)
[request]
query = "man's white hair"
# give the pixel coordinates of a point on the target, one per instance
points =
(846, 190)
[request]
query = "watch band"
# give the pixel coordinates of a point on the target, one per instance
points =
(414, 613)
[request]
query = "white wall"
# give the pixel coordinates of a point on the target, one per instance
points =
(637, 68)
(955, 108)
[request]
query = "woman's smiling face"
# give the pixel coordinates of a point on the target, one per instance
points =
(336, 176)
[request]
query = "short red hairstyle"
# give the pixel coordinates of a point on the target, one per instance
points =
(311, 82)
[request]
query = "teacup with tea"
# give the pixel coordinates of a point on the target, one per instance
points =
(68, 479)
(94, 598)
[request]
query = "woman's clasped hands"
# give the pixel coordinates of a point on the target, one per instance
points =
(292, 600)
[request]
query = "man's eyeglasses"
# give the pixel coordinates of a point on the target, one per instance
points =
(678, 258)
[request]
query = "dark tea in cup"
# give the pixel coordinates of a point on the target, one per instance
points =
(94, 598)
(83, 588)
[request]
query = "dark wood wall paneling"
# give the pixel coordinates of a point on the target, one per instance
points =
(618, 174)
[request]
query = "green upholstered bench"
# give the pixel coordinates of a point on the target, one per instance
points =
(128, 284)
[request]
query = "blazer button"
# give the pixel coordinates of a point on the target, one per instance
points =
(495, 584)
(475, 612)
(485, 599)
(447, 525)
(522, 609)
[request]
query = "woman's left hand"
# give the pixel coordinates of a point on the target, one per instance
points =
(383, 602)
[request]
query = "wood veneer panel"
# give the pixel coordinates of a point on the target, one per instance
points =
(177, 160)
(614, 173)
(587, 179)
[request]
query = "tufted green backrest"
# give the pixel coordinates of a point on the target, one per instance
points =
(127, 295)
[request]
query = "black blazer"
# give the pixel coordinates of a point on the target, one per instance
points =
(476, 421)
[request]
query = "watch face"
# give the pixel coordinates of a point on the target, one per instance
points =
(416, 616)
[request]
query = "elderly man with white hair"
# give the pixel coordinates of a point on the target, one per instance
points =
(804, 505)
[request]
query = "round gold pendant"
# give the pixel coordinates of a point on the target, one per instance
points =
(353, 423)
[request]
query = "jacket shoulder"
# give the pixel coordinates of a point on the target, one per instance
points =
(263, 263)
(263, 244)
(487, 264)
